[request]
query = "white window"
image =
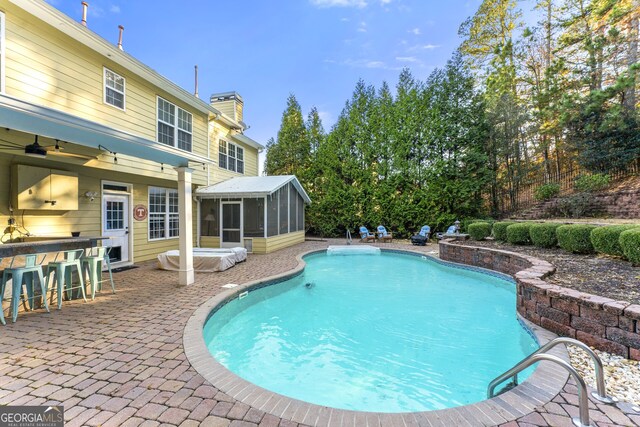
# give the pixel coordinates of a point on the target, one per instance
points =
(230, 156)
(113, 89)
(2, 54)
(175, 125)
(164, 218)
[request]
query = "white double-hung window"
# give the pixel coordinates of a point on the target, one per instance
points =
(175, 125)
(164, 218)
(114, 85)
(230, 156)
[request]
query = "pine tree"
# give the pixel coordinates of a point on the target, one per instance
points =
(289, 153)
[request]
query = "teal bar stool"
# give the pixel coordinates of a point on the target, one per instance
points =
(62, 271)
(107, 261)
(24, 275)
(92, 263)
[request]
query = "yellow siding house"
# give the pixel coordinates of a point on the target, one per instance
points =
(93, 141)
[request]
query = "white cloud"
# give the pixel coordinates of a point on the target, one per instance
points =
(415, 31)
(326, 117)
(406, 59)
(428, 46)
(369, 63)
(345, 19)
(99, 9)
(95, 11)
(339, 3)
(373, 64)
(362, 28)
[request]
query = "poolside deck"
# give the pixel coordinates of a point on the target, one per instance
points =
(119, 360)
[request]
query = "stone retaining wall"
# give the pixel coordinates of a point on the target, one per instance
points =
(603, 323)
(620, 204)
(616, 204)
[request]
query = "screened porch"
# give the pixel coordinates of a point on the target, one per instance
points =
(261, 214)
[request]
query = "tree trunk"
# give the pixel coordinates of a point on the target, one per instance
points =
(547, 164)
(632, 58)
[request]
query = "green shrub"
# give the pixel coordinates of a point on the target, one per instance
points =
(576, 238)
(500, 230)
(544, 235)
(518, 233)
(630, 243)
(593, 182)
(479, 230)
(465, 223)
(575, 206)
(547, 191)
(606, 240)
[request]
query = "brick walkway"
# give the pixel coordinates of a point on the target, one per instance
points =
(119, 360)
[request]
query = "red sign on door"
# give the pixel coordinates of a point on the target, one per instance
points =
(140, 212)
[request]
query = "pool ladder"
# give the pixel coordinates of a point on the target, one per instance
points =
(540, 355)
(348, 236)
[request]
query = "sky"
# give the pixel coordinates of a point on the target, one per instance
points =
(266, 50)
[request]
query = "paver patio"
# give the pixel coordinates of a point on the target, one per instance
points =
(119, 360)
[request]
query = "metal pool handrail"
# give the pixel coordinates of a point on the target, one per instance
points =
(601, 393)
(583, 400)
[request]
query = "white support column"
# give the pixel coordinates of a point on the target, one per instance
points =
(186, 274)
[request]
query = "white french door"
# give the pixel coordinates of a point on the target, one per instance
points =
(231, 225)
(115, 226)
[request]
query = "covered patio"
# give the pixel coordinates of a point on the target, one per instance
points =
(31, 120)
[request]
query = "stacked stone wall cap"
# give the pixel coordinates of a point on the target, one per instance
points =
(616, 307)
(632, 311)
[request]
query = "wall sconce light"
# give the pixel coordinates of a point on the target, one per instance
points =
(91, 195)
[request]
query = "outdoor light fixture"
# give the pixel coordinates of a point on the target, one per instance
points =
(35, 149)
(115, 155)
(91, 195)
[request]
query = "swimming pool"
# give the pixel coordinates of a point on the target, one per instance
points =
(387, 333)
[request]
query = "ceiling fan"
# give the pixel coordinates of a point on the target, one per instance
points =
(37, 150)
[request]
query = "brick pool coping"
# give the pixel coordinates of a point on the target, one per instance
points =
(606, 324)
(540, 388)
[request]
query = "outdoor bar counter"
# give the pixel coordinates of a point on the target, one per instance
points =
(40, 245)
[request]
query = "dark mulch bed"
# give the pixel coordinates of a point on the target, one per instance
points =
(594, 274)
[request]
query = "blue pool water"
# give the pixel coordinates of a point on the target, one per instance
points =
(385, 333)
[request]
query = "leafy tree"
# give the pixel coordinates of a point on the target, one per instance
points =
(508, 107)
